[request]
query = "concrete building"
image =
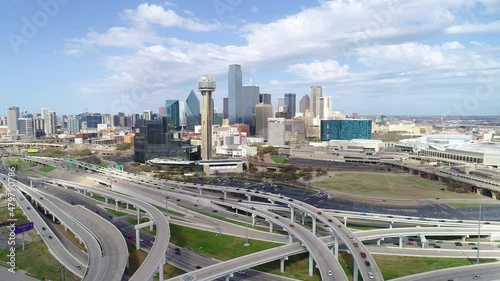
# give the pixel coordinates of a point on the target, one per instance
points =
(276, 131)
(147, 115)
(304, 104)
(316, 93)
(262, 113)
(161, 110)
(206, 85)
(235, 89)
(325, 107)
(26, 127)
(49, 122)
(73, 125)
(485, 153)
(12, 120)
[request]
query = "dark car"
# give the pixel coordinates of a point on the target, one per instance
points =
(367, 263)
(198, 267)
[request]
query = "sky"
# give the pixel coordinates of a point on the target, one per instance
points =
(396, 57)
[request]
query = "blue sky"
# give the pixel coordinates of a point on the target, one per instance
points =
(426, 57)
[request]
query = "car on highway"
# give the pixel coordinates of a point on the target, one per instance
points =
(476, 277)
(330, 273)
(458, 244)
(78, 267)
(350, 236)
(370, 275)
(355, 244)
(241, 272)
(363, 255)
(437, 246)
(340, 225)
(367, 263)
(292, 225)
(319, 212)
(330, 220)
(198, 267)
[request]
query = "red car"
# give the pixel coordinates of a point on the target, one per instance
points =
(363, 255)
(319, 213)
(292, 225)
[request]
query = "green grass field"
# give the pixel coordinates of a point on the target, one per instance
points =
(47, 169)
(219, 246)
(279, 159)
(21, 164)
(388, 185)
(394, 267)
(468, 205)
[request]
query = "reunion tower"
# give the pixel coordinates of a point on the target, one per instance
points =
(206, 85)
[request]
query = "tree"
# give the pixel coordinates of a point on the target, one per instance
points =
(123, 146)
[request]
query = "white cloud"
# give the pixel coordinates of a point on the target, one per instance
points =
(146, 14)
(452, 45)
(474, 28)
(254, 9)
(319, 70)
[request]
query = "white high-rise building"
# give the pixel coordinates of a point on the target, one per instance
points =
(316, 93)
(12, 120)
(49, 122)
(147, 115)
(325, 107)
(276, 131)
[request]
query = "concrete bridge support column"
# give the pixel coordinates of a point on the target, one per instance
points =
(84, 192)
(151, 229)
(249, 197)
(270, 227)
(465, 237)
(127, 206)
(227, 278)
(160, 268)
(91, 194)
(292, 214)
(65, 227)
(303, 218)
(311, 265)
(400, 241)
(282, 264)
(225, 194)
(336, 253)
(314, 225)
(106, 199)
(355, 271)
(116, 205)
(379, 240)
(345, 221)
(253, 219)
(53, 218)
(138, 215)
(390, 224)
(290, 238)
(137, 239)
(45, 211)
(201, 191)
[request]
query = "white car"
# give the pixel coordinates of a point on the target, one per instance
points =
(370, 274)
(330, 273)
(350, 236)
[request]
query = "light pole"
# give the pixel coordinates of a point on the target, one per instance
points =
(166, 199)
(246, 244)
(479, 229)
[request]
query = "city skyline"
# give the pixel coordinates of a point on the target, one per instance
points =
(414, 58)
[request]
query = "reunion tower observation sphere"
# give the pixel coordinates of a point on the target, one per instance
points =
(206, 83)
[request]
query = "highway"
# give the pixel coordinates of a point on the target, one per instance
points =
(95, 269)
(114, 247)
(156, 257)
(56, 248)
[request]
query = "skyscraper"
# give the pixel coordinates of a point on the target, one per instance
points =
(304, 104)
(161, 111)
(251, 97)
(325, 107)
(262, 113)
(172, 113)
(49, 122)
(12, 119)
(316, 93)
(192, 111)
(206, 85)
(26, 127)
(225, 108)
(290, 105)
(276, 131)
(265, 98)
(148, 115)
(234, 90)
(73, 125)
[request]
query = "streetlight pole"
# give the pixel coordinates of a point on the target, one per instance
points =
(166, 199)
(479, 229)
